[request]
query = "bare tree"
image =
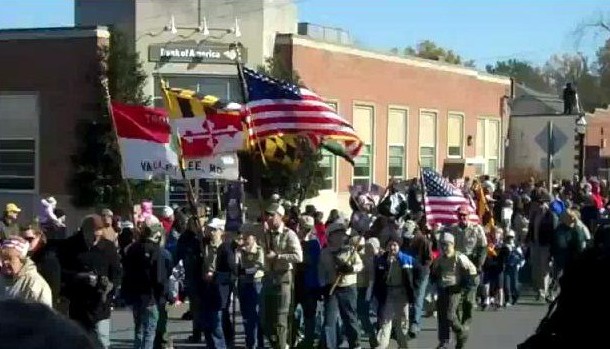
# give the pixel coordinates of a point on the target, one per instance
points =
(597, 25)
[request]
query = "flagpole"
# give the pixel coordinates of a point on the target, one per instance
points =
(423, 186)
(105, 84)
(243, 86)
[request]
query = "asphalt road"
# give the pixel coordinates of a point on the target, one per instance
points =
(501, 329)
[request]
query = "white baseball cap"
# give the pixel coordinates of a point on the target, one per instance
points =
(217, 223)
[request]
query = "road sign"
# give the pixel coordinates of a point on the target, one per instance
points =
(559, 139)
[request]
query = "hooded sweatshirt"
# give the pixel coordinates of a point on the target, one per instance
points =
(27, 285)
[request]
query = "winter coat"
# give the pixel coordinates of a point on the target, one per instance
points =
(382, 267)
(147, 270)
(49, 268)
(87, 304)
(28, 285)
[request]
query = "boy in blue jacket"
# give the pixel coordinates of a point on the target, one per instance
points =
(393, 289)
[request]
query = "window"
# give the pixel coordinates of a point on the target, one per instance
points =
(455, 135)
(427, 139)
(488, 145)
(327, 166)
(328, 163)
(363, 125)
(18, 141)
(397, 135)
(222, 87)
(17, 164)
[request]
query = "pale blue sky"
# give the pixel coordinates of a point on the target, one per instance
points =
(483, 30)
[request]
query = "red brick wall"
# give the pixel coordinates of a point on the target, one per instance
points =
(598, 133)
(350, 78)
(61, 71)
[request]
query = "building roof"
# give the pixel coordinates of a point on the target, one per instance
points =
(307, 41)
(54, 33)
(553, 104)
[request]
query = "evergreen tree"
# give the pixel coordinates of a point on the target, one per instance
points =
(97, 179)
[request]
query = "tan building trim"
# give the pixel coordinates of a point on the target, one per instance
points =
(54, 33)
(287, 39)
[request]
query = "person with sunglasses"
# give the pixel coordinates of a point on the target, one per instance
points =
(44, 257)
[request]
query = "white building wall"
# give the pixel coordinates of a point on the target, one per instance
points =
(524, 151)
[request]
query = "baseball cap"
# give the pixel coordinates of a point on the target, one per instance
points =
(448, 239)
(337, 226)
(11, 207)
(167, 212)
(216, 223)
(107, 212)
(307, 222)
(275, 209)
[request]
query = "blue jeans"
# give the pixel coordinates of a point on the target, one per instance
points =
(341, 304)
(364, 315)
(249, 302)
(511, 284)
(102, 330)
(417, 309)
(145, 317)
(210, 314)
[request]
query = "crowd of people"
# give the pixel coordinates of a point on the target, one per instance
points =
(302, 281)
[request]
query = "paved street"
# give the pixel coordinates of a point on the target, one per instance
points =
(502, 329)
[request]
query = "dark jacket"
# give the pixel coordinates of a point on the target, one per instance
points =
(147, 268)
(189, 251)
(49, 268)
(87, 304)
(382, 268)
(548, 224)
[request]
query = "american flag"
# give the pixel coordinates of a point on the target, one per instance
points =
(442, 200)
(279, 108)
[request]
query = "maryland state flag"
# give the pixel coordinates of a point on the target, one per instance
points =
(207, 126)
(284, 150)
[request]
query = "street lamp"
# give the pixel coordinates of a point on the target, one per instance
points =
(581, 129)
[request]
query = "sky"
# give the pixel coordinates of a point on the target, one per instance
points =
(483, 30)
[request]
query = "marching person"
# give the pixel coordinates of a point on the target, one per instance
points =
(213, 296)
(250, 260)
(394, 291)
(471, 241)
(145, 284)
(454, 274)
(307, 285)
(90, 269)
(283, 250)
(339, 266)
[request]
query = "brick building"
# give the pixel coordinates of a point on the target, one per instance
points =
(408, 111)
(44, 90)
(597, 147)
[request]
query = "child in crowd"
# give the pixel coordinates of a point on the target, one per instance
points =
(514, 262)
(493, 279)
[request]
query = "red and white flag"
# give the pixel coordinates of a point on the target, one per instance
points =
(442, 200)
(219, 132)
(149, 148)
